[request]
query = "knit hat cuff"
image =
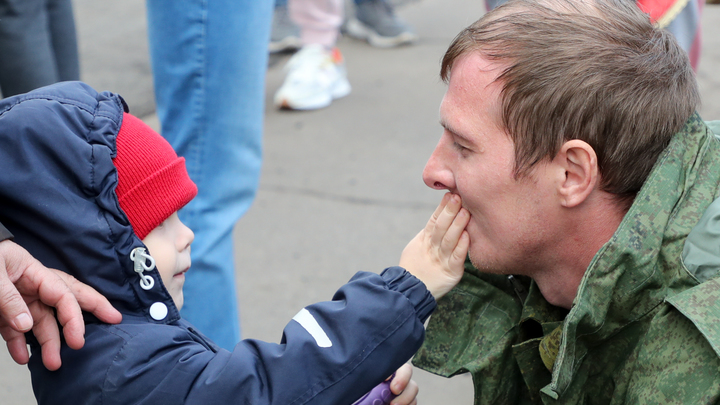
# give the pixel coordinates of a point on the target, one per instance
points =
(166, 191)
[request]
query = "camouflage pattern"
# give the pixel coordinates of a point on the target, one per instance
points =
(550, 346)
(642, 328)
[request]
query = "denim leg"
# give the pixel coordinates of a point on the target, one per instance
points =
(27, 34)
(64, 39)
(209, 60)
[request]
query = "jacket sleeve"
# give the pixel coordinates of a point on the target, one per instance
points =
(4, 233)
(473, 330)
(331, 353)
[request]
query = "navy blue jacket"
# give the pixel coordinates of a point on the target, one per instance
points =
(4, 233)
(57, 196)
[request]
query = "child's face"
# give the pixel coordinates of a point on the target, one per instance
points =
(169, 245)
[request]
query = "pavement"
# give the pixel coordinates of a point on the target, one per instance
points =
(341, 189)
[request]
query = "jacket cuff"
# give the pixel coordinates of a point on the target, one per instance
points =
(398, 279)
(4, 233)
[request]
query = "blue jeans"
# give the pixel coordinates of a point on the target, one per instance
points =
(209, 60)
(38, 44)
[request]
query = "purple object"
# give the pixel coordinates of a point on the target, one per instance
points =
(380, 395)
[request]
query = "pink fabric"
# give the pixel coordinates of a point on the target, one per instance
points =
(694, 52)
(319, 20)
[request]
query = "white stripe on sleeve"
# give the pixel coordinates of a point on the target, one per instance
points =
(307, 321)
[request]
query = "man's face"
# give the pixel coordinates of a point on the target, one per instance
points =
(169, 244)
(510, 223)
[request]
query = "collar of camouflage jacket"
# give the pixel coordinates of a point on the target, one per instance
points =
(641, 265)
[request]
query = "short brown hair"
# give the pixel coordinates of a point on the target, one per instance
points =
(595, 70)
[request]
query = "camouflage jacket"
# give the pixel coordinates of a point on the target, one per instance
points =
(644, 326)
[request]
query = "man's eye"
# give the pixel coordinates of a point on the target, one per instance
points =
(460, 147)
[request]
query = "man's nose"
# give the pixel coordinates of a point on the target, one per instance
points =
(436, 174)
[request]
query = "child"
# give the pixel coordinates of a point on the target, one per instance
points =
(91, 190)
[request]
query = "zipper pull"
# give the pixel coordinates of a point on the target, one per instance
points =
(520, 290)
(140, 258)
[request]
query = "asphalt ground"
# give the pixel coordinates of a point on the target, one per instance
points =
(341, 188)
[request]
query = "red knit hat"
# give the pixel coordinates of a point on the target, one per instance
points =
(152, 180)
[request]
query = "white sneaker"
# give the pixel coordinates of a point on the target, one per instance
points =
(315, 77)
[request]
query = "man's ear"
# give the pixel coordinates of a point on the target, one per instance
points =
(579, 162)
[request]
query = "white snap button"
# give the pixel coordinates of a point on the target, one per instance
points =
(158, 311)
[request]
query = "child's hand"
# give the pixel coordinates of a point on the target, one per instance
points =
(401, 390)
(405, 388)
(437, 254)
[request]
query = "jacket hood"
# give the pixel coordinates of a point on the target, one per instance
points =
(57, 193)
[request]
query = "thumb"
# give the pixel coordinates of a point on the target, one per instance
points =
(12, 306)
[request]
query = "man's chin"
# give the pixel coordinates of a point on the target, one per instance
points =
(484, 264)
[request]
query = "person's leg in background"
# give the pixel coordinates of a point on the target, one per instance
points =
(64, 39)
(285, 35)
(375, 21)
(319, 20)
(38, 44)
(209, 60)
(316, 74)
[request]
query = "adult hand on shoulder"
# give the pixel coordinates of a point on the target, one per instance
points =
(437, 254)
(28, 290)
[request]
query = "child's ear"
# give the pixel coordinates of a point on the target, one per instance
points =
(580, 173)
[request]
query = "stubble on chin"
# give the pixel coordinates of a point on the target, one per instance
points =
(484, 263)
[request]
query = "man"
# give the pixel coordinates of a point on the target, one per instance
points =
(28, 290)
(570, 134)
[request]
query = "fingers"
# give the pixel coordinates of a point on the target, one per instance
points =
(436, 255)
(54, 292)
(24, 279)
(12, 306)
(408, 396)
(457, 258)
(449, 231)
(60, 290)
(16, 344)
(47, 334)
(403, 386)
(433, 218)
(90, 300)
(454, 232)
(68, 296)
(401, 379)
(445, 218)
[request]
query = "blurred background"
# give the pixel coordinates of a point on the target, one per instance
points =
(341, 188)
